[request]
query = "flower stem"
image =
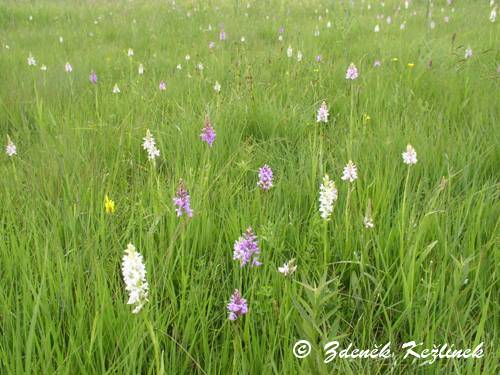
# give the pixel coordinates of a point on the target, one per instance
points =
(403, 215)
(346, 216)
(325, 243)
(351, 122)
(156, 347)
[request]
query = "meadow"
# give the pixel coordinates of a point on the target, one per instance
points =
(150, 123)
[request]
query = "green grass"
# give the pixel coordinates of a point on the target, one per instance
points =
(426, 272)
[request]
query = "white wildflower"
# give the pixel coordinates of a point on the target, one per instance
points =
(352, 72)
(140, 70)
(10, 149)
(217, 87)
(468, 53)
(134, 276)
(327, 196)
(116, 89)
(368, 220)
(289, 51)
(288, 268)
(323, 114)
(350, 172)
(410, 156)
(130, 52)
(31, 60)
(149, 145)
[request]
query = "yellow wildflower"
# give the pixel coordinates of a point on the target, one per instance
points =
(109, 205)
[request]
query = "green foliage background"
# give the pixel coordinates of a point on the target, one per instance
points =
(426, 272)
